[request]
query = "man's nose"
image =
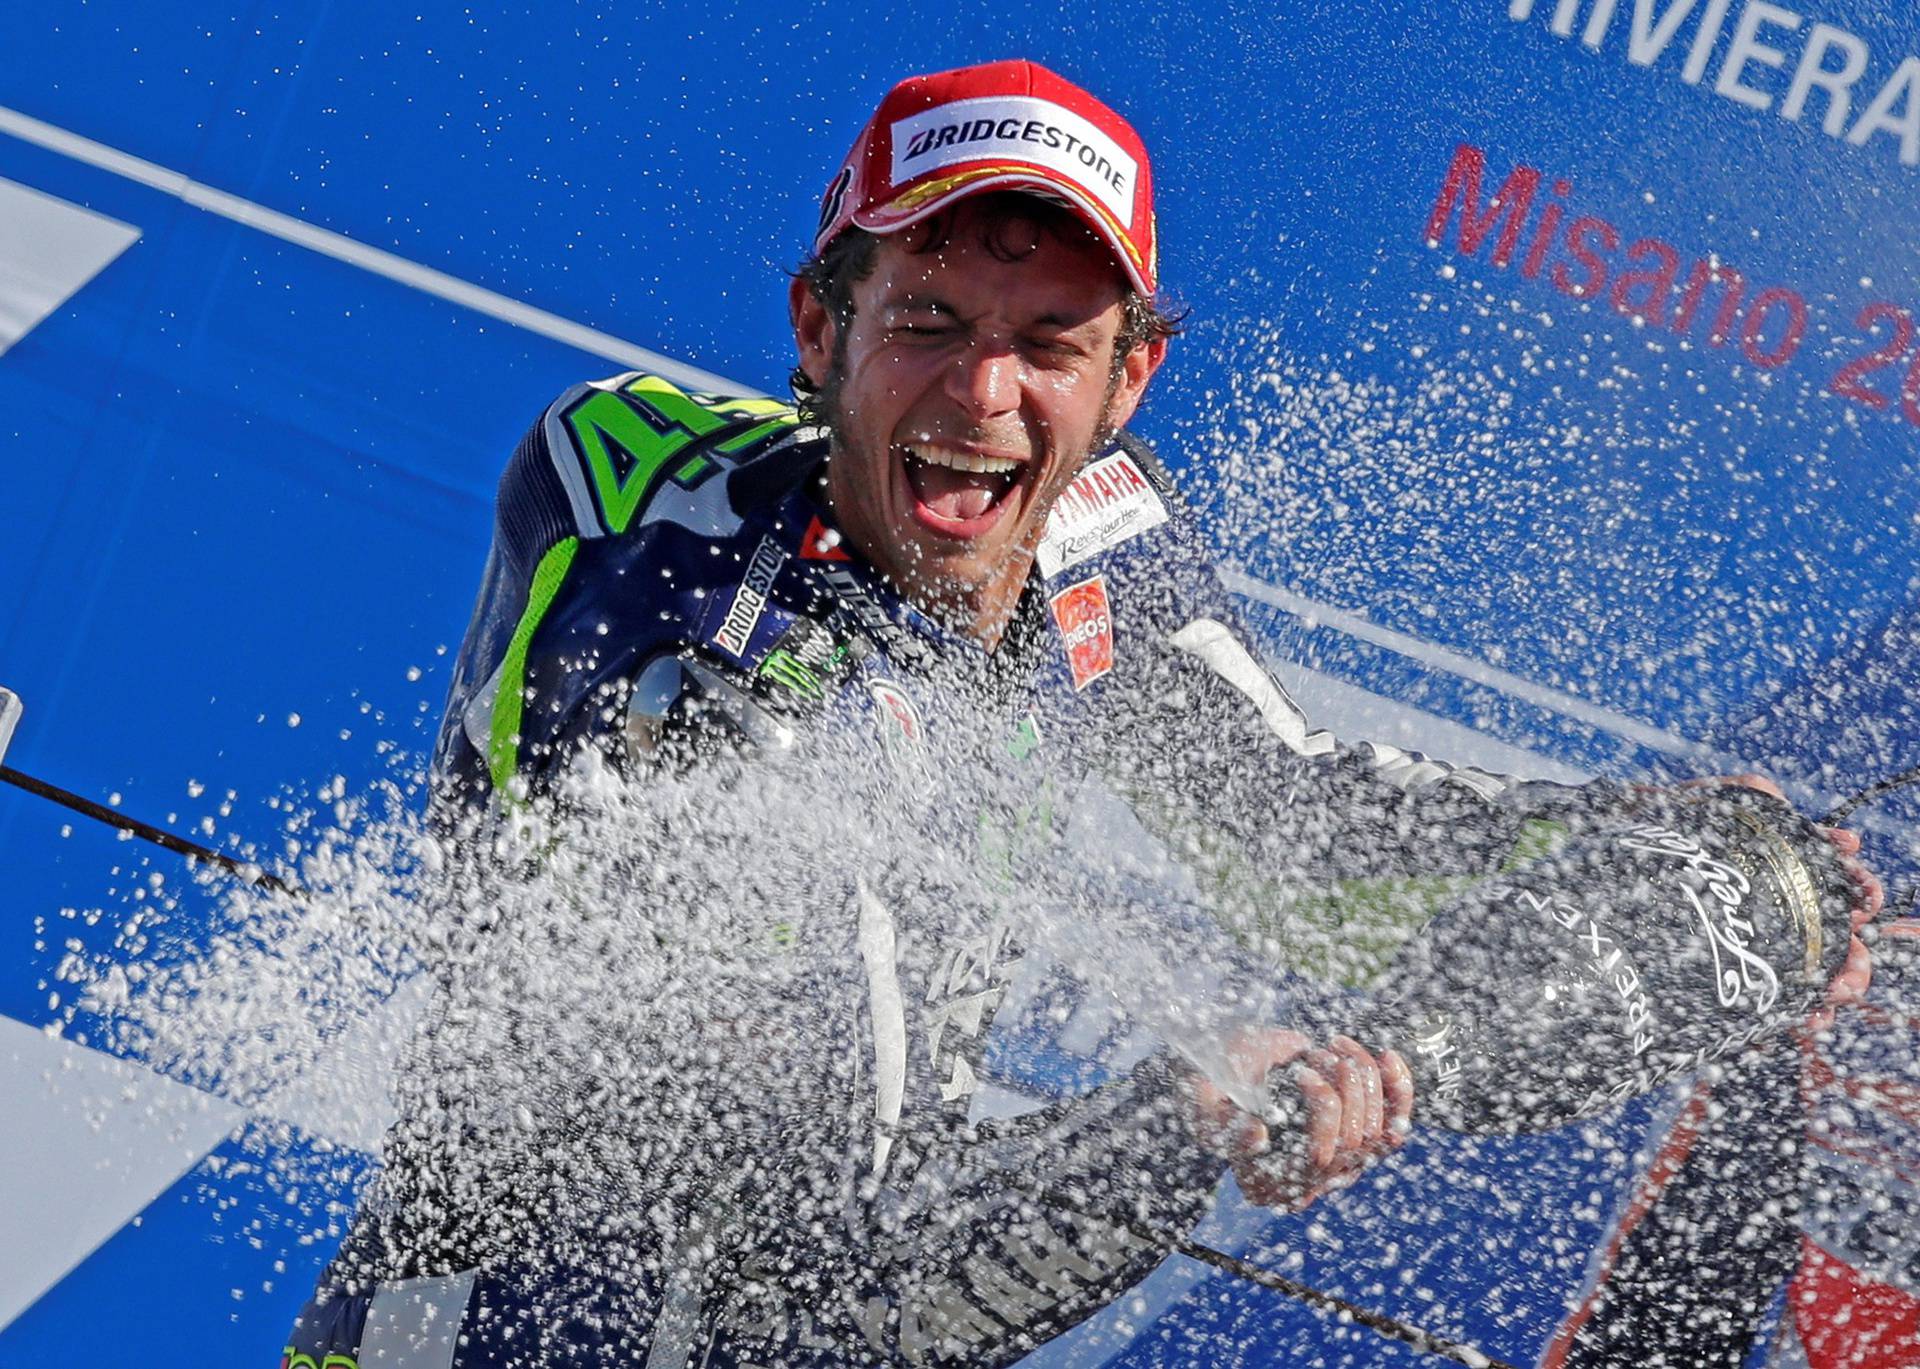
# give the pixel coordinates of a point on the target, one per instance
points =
(985, 379)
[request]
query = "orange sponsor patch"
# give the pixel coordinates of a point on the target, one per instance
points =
(1085, 620)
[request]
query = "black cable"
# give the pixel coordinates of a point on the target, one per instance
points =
(1391, 1327)
(1839, 812)
(245, 872)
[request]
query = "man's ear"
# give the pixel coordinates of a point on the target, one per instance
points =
(813, 330)
(1135, 371)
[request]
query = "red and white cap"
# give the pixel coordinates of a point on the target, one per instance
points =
(1000, 126)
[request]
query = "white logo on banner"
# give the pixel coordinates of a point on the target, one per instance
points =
(1020, 127)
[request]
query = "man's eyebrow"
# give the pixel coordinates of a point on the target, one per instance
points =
(911, 302)
(1066, 323)
(1054, 320)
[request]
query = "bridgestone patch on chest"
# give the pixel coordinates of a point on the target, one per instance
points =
(750, 600)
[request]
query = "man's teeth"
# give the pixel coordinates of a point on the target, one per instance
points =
(961, 461)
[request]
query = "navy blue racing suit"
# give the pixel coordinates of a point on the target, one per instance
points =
(665, 584)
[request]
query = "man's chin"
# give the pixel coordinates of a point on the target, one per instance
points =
(949, 569)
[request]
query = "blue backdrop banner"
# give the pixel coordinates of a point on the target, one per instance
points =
(1551, 387)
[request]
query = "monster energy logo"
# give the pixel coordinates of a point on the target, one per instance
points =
(784, 668)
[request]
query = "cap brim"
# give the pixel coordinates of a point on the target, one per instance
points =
(925, 200)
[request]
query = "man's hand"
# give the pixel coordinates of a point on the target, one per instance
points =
(1353, 1106)
(1850, 985)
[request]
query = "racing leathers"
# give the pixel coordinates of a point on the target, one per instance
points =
(666, 585)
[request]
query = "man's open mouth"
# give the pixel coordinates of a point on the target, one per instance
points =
(958, 493)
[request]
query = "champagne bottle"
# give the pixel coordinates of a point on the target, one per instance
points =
(1644, 946)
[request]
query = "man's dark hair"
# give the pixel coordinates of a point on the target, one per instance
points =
(832, 274)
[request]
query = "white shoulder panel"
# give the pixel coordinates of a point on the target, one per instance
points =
(1215, 644)
(1410, 770)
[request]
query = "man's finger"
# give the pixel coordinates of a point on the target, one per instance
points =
(1847, 842)
(1221, 1125)
(1323, 1116)
(1855, 977)
(1352, 1082)
(1396, 1083)
(1761, 783)
(1250, 1054)
(1337, 1070)
(1372, 1105)
(1873, 894)
(1239, 1132)
(1747, 781)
